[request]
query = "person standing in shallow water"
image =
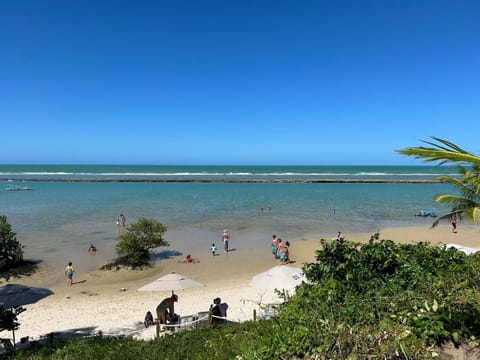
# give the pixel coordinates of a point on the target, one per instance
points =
(274, 245)
(225, 240)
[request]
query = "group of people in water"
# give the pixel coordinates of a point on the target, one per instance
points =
(280, 249)
(122, 220)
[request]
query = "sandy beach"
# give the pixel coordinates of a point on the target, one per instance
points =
(96, 303)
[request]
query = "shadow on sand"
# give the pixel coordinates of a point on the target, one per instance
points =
(167, 254)
(72, 333)
(27, 268)
(12, 295)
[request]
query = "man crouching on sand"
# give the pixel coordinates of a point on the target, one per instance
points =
(164, 309)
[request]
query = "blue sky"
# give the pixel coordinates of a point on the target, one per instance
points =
(236, 82)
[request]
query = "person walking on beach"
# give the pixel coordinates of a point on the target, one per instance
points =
(286, 258)
(225, 240)
(123, 219)
(213, 248)
(69, 274)
(453, 221)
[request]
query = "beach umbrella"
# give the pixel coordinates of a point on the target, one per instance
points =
(12, 295)
(281, 277)
(171, 281)
(467, 250)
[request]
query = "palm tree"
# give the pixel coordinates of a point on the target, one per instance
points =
(467, 203)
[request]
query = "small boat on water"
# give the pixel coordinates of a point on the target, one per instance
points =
(425, 213)
(18, 188)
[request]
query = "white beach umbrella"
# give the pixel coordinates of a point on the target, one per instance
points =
(467, 250)
(281, 277)
(171, 281)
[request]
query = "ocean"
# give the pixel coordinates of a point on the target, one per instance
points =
(70, 207)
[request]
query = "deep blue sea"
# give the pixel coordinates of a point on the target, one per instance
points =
(57, 220)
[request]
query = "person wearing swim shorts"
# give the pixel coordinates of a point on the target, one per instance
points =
(166, 307)
(225, 240)
(274, 245)
(69, 274)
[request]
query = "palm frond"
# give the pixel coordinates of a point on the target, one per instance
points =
(467, 184)
(447, 143)
(446, 153)
(473, 214)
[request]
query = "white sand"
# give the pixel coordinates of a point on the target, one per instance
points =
(122, 313)
(95, 303)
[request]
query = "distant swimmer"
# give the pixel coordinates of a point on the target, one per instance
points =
(92, 248)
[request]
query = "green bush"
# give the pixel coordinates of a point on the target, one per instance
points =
(11, 251)
(139, 239)
(426, 291)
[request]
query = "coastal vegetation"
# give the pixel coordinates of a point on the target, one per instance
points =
(466, 202)
(135, 244)
(363, 301)
(9, 319)
(11, 251)
(12, 263)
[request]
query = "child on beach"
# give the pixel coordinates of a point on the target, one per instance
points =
(69, 274)
(189, 260)
(213, 248)
(148, 319)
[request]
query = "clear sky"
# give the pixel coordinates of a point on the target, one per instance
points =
(338, 82)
